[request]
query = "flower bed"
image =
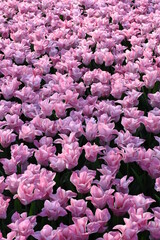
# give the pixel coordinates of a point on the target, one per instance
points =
(79, 119)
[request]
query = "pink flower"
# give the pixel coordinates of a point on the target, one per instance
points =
(66, 139)
(152, 123)
(62, 196)
(83, 179)
(68, 125)
(153, 228)
(129, 231)
(88, 78)
(141, 201)
(71, 98)
(9, 87)
(87, 57)
(4, 203)
(60, 109)
(21, 153)
(78, 229)
(13, 122)
(44, 64)
(154, 99)
(131, 99)
(117, 86)
(77, 207)
(107, 107)
(19, 57)
(30, 110)
(12, 183)
(4, 109)
(140, 217)
(2, 184)
(22, 225)
(71, 153)
(157, 184)
(100, 90)
(35, 185)
(91, 151)
(28, 133)
(52, 210)
(6, 137)
(120, 203)
(100, 198)
(91, 129)
(43, 154)
(106, 131)
(48, 141)
(111, 236)
(130, 124)
(26, 192)
(113, 157)
(9, 165)
(130, 153)
(150, 78)
(57, 163)
(97, 222)
(99, 57)
(105, 182)
(46, 233)
(108, 58)
(26, 94)
(122, 184)
(45, 125)
(46, 107)
(124, 138)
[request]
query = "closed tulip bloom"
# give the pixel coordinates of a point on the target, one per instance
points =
(157, 184)
(91, 130)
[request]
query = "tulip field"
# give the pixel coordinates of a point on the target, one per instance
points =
(80, 119)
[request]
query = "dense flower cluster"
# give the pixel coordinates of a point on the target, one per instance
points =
(79, 119)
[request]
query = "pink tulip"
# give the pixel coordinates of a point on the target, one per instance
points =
(28, 133)
(83, 179)
(52, 210)
(22, 225)
(97, 222)
(4, 203)
(100, 198)
(62, 196)
(6, 137)
(77, 207)
(91, 151)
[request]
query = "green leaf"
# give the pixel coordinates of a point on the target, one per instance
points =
(157, 197)
(61, 17)
(32, 209)
(17, 205)
(138, 178)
